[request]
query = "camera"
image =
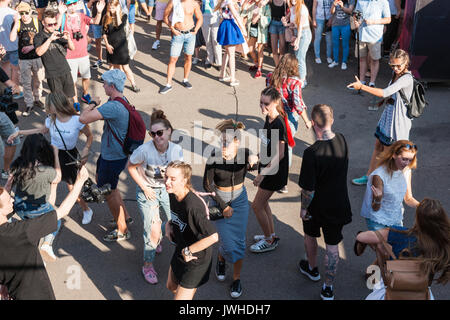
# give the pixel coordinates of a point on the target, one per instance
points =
(8, 106)
(93, 193)
(77, 35)
(357, 15)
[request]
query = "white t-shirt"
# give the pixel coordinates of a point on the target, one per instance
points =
(304, 18)
(70, 131)
(154, 164)
(6, 22)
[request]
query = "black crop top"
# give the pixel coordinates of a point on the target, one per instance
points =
(277, 11)
(219, 172)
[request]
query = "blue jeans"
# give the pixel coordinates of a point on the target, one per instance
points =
(293, 124)
(318, 38)
(337, 32)
(150, 213)
(27, 211)
(300, 54)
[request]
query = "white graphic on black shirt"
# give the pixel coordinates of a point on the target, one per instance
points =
(178, 222)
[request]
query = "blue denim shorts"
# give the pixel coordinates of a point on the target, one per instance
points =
(109, 171)
(12, 57)
(150, 3)
(96, 31)
(7, 129)
(132, 14)
(373, 226)
(385, 140)
(276, 27)
(183, 41)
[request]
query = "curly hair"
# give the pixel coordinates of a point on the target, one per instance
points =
(286, 68)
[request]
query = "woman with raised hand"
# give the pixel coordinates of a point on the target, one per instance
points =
(273, 168)
(191, 231)
(147, 166)
(224, 176)
(65, 127)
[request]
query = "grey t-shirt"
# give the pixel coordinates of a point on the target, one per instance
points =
(37, 190)
(117, 117)
(340, 18)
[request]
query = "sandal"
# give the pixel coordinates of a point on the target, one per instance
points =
(359, 247)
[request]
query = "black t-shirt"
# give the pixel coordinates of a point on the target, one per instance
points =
(22, 270)
(26, 36)
(324, 170)
(54, 59)
(190, 225)
(219, 172)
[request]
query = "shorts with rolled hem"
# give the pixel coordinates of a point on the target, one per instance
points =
(63, 83)
(150, 3)
(108, 171)
(132, 14)
(96, 31)
(81, 65)
(276, 27)
(185, 42)
(12, 57)
(160, 7)
(332, 233)
(374, 50)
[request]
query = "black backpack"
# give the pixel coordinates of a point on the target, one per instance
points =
(417, 103)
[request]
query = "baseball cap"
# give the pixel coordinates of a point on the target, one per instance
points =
(23, 6)
(71, 1)
(115, 77)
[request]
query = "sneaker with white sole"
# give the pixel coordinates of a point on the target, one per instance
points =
(155, 45)
(47, 253)
(236, 289)
(304, 268)
(5, 175)
(318, 61)
(333, 64)
(360, 181)
(264, 246)
(327, 293)
(150, 274)
(165, 90)
(195, 60)
(87, 216)
(97, 64)
(343, 66)
(220, 270)
(260, 237)
(329, 60)
(27, 111)
(115, 236)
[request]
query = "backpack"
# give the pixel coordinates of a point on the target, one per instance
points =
(136, 129)
(417, 103)
(402, 277)
(35, 22)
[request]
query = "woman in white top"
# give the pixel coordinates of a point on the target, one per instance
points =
(298, 18)
(147, 166)
(389, 185)
(64, 127)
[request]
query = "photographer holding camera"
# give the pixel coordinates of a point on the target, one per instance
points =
(23, 272)
(374, 15)
(51, 46)
(76, 24)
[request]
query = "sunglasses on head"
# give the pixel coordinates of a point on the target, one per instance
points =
(24, 13)
(158, 133)
(408, 146)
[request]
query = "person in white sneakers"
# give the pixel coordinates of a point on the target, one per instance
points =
(341, 11)
(159, 17)
(65, 127)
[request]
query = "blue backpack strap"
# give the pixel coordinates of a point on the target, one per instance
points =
(63, 22)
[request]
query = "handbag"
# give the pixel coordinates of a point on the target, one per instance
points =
(402, 277)
(132, 47)
(289, 34)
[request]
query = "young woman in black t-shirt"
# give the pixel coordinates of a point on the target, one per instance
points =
(274, 165)
(191, 231)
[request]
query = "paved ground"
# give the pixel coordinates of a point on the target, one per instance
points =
(113, 271)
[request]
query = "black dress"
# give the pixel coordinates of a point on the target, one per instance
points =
(117, 38)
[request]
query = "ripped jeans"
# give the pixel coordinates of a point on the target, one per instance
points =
(150, 213)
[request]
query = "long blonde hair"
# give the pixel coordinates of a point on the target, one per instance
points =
(386, 157)
(108, 18)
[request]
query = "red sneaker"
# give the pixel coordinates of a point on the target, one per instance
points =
(258, 73)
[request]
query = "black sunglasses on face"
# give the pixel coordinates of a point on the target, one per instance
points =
(24, 13)
(410, 146)
(158, 133)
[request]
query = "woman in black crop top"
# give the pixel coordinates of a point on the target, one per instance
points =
(276, 29)
(224, 175)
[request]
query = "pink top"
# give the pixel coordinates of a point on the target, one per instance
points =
(74, 23)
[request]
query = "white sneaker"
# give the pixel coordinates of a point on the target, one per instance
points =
(5, 175)
(344, 66)
(333, 64)
(263, 246)
(87, 216)
(155, 45)
(318, 61)
(47, 253)
(195, 60)
(329, 60)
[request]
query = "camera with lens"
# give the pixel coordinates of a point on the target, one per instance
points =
(93, 193)
(357, 15)
(8, 106)
(77, 35)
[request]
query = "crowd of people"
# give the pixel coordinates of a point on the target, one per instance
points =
(54, 47)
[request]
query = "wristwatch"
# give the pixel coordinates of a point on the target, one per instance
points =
(187, 252)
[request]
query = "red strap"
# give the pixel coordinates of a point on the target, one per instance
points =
(291, 140)
(128, 107)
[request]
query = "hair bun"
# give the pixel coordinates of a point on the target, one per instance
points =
(157, 114)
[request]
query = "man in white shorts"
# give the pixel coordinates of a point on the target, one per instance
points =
(76, 24)
(159, 17)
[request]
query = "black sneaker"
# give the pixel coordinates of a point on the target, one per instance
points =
(165, 90)
(236, 289)
(187, 84)
(327, 293)
(313, 274)
(220, 270)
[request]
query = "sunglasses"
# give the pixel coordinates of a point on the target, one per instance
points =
(394, 66)
(52, 24)
(158, 133)
(408, 146)
(24, 13)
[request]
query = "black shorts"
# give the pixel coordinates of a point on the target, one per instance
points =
(331, 232)
(63, 83)
(68, 172)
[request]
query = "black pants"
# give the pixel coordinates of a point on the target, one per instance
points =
(63, 83)
(391, 34)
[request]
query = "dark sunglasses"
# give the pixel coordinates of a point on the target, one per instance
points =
(52, 24)
(408, 146)
(24, 13)
(158, 133)
(393, 66)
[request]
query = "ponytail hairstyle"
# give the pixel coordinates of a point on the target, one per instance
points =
(386, 157)
(286, 68)
(275, 97)
(186, 170)
(400, 54)
(60, 103)
(226, 125)
(158, 116)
